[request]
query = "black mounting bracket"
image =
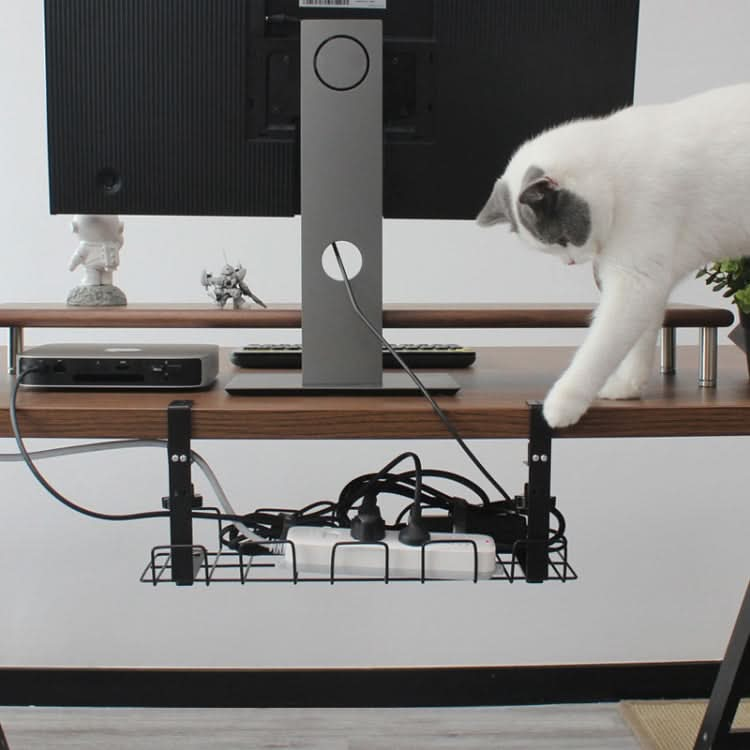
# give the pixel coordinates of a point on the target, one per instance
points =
(716, 732)
(533, 554)
(182, 498)
(3, 742)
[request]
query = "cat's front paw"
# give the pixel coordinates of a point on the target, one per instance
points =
(564, 406)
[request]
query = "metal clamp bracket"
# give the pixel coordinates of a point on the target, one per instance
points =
(537, 502)
(182, 498)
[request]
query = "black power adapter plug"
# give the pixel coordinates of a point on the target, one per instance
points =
(494, 519)
(368, 525)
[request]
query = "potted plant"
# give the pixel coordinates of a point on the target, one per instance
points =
(732, 278)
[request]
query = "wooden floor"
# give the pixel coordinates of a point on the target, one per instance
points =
(569, 727)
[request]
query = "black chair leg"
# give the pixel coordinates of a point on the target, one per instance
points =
(716, 731)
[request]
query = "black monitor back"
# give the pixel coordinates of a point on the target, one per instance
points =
(191, 107)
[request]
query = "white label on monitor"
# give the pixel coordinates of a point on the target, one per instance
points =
(356, 4)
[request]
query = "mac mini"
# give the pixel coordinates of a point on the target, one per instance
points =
(120, 366)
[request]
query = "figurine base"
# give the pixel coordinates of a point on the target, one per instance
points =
(102, 295)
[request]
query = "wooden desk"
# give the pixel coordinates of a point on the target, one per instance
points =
(492, 403)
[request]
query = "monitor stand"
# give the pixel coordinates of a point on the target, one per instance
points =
(290, 384)
(341, 124)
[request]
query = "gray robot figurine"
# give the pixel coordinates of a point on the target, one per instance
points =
(227, 285)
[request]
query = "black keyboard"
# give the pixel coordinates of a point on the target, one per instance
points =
(289, 356)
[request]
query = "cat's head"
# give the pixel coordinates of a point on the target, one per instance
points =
(545, 213)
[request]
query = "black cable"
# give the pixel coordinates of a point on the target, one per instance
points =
(69, 503)
(326, 506)
(403, 485)
(458, 478)
(440, 413)
(382, 482)
(560, 532)
(395, 462)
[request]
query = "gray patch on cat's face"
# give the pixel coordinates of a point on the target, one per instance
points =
(554, 215)
(499, 208)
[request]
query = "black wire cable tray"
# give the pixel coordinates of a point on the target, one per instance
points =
(271, 566)
(541, 556)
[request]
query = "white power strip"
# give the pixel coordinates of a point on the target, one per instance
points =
(446, 556)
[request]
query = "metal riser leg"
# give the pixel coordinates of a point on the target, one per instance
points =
(667, 351)
(15, 347)
(709, 350)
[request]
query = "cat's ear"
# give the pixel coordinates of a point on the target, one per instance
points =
(541, 195)
(497, 210)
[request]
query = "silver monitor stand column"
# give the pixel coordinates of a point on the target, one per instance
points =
(341, 85)
(341, 121)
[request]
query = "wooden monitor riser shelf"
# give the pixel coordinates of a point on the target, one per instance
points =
(17, 317)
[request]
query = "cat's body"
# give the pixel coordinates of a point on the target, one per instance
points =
(649, 194)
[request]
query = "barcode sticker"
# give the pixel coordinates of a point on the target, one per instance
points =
(355, 4)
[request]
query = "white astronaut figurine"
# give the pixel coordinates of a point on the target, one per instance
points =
(101, 238)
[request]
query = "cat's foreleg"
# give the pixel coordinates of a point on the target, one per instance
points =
(630, 307)
(634, 372)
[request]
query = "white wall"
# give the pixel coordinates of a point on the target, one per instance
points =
(657, 528)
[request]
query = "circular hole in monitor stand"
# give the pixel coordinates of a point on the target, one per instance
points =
(351, 258)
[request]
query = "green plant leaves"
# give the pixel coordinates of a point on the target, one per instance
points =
(732, 277)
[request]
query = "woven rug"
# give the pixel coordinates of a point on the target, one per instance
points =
(672, 725)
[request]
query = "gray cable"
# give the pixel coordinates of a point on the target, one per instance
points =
(119, 444)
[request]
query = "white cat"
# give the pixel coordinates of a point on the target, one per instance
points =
(649, 193)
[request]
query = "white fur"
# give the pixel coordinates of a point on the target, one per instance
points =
(668, 187)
